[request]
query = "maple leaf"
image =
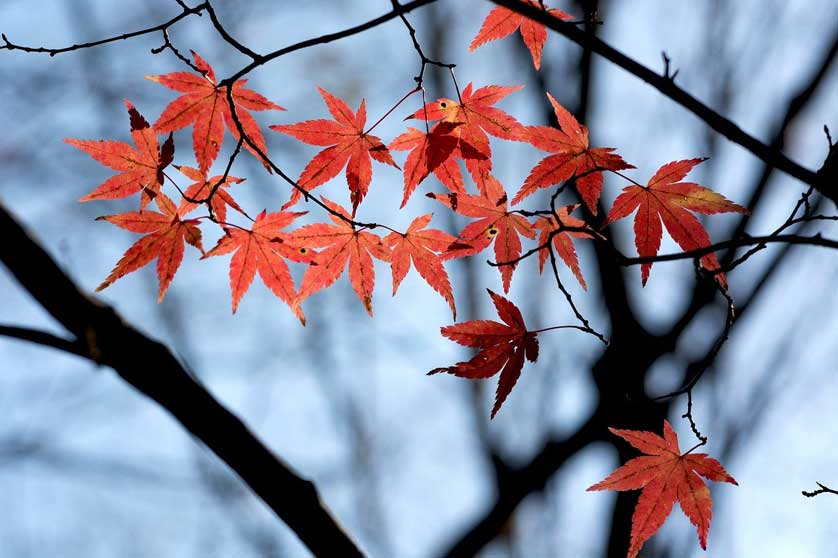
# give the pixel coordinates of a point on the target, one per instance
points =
(421, 245)
(141, 169)
(502, 22)
(203, 187)
(204, 105)
(572, 156)
(347, 145)
(503, 347)
(431, 152)
(263, 249)
(165, 236)
(342, 243)
(562, 243)
(666, 476)
(664, 198)
(476, 117)
(495, 223)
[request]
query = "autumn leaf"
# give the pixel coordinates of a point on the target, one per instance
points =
(141, 169)
(503, 347)
(495, 223)
(165, 236)
(347, 145)
(263, 249)
(421, 246)
(203, 187)
(562, 243)
(666, 476)
(342, 243)
(204, 106)
(666, 199)
(572, 157)
(502, 22)
(476, 117)
(432, 152)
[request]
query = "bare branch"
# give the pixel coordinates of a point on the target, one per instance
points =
(187, 11)
(821, 490)
(46, 339)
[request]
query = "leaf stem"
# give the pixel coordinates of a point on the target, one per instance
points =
(394, 107)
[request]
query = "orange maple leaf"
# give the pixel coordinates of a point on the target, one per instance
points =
(562, 243)
(495, 224)
(502, 22)
(141, 169)
(422, 246)
(341, 243)
(431, 152)
(666, 476)
(165, 236)
(664, 198)
(263, 249)
(347, 145)
(502, 348)
(201, 190)
(204, 105)
(573, 156)
(476, 117)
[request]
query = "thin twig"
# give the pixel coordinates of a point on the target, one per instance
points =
(823, 489)
(187, 11)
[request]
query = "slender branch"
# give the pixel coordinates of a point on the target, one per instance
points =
(323, 39)
(815, 240)
(667, 86)
(821, 490)
(167, 44)
(187, 11)
(226, 36)
(697, 369)
(152, 369)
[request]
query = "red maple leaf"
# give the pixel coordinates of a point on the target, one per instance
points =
(502, 348)
(341, 243)
(204, 104)
(263, 249)
(141, 169)
(347, 146)
(573, 156)
(502, 22)
(476, 117)
(664, 198)
(666, 476)
(562, 243)
(201, 190)
(165, 236)
(422, 246)
(495, 223)
(431, 152)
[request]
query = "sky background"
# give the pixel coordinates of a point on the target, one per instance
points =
(90, 468)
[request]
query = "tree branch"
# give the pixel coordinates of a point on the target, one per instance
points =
(152, 369)
(187, 11)
(514, 484)
(323, 39)
(821, 490)
(45, 339)
(666, 85)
